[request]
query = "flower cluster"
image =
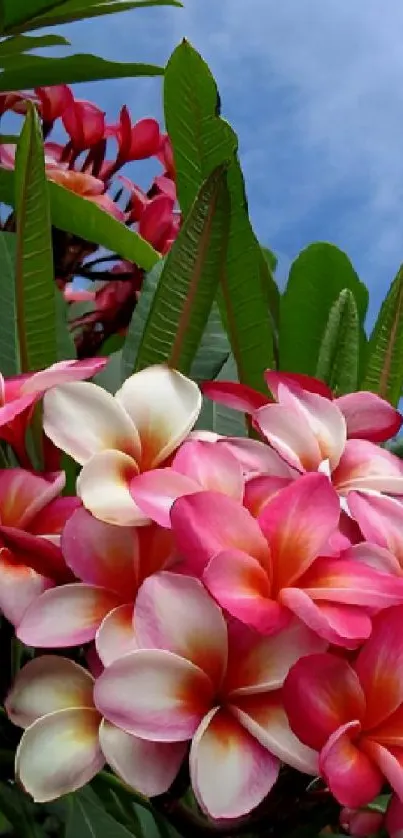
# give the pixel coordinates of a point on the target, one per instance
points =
(239, 602)
(81, 166)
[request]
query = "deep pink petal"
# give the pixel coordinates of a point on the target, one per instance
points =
(154, 492)
(380, 520)
(232, 394)
(380, 666)
(212, 466)
(257, 458)
(52, 519)
(177, 614)
(389, 761)
(144, 140)
(373, 556)
(367, 466)
(66, 616)
(36, 552)
(23, 494)
(342, 625)
(394, 818)
(149, 767)
(369, 417)
(231, 772)
(351, 583)
(259, 490)
(307, 382)
(321, 693)
(154, 694)
(102, 554)
(297, 523)
(208, 522)
(241, 586)
(352, 776)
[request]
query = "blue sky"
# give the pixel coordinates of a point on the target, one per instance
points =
(315, 93)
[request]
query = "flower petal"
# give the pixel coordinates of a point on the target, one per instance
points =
(164, 406)
(230, 771)
(394, 818)
(23, 494)
(380, 520)
(259, 490)
(176, 613)
(257, 458)
(352, 777)
(389, 761)
(289, 435)
(212, 466)
(352, 583)
(154, 694)
(342, 625)
(102, 554)
(369, 417)
(263, 715)
(297, 523)
(365, 466)
(59, 753)
(257, 664)
(148, 767)
(373, 556)
(66, 616)
(62, 373)
(241, 586)
(154, 492)
(47, 684)
(313, 385)
(52, 519)
(321, 693)
(208, 522)
(232, 394)
(116, 635)
(379, 666)
(83, 419)
(103, 487)
(19, 586)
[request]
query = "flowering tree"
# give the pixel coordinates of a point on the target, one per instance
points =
(201, 550)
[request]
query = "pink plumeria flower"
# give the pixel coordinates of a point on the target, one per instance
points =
(197, 465)
(66, 742)
(18, 396)
(53, 101)
(195, 677)
(380, 520)
(394, 817)
(84, 123)
(110, 563)
(262, 570)
(135, 142)
(89, 187)
(32, 517)
(360, 823)
(117, 437)
(352, 714)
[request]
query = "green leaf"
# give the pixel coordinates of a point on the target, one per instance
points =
(36, 70)
(72, 10)
(384, 370)
(24, 43)
(139, 319)
(87, 819)
(18, 810)
(65, 344)
(338, 361)
(9, 354)
(188, 282)
(16, 12)
(202, 140)
(316, 279)
(85, 219)
(218, 418)
(34, 283)
(270, 258)
(214, 349)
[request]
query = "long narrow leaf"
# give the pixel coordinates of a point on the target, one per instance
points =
(338, 361)
(35, 292)
(36, 70)
(219, 418)
(188, 282)
(16, 12)
(24, 43)
(83, 218)
(201, 140)
(9, 354)
(384, 371)
(72, 10)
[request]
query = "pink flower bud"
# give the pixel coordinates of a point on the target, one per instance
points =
(54, 101)
(166, 157)
(156, 221)
(84, 123)
(361, 823)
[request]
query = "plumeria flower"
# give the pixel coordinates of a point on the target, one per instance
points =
(262, 570)
(110, 563)
(394, 817)
(117, 437)
(197, 465)
(53, 101)
(18, 396)
(32, 517)
(88, 187)
(196, 678)
(361, 823)
(352, 713)
(66, 742)
(135, 142)
(312, 432)
(84, 123)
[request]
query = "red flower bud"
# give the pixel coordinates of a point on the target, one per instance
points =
(85, 124)
(54, 101)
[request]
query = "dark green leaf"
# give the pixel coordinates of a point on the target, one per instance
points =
(16, 12)
(65, 343)
(218, 418)
(188, 282)
(81, 9)
(338, 361)
(87, 819)
(9, 354)
(316, 279)
(384, 371)
(9, 138)
(270, 258)
(18, 810)
(213, 351)
(110, 377)
(139, 319)
(35, 70)
(34, 283)
(24, 43)
(83, 218)
(202, 140)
